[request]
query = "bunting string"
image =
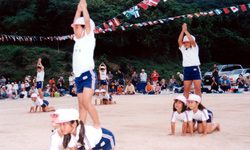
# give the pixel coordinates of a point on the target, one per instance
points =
(114, 24)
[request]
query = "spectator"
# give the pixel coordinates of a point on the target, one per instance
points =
(60, 83)
(214, 85)
(172, 82)
(116, 83)
(3, 93)
(22, 86)
(134, 78)
(149, 89)
(8, 87)
(112, 90)
(120, 77)
(13, 91)
(240, 82)
(27, 78)
(110, 77)
(47, 92)
(19, 86)
(143, 76)
(3, 81)
(27, 86)
(16, 88)
(155, 77)
(119, 90)
(216, 74)
(8, 80)
(163, 85)
(34, 81)
(225, 83)
(51, 81)
(157, 88)
(103, 75)
(247, 80)
(73, 92)
(24, 94)
(130, 89)
(32, 90)
(71, 81)
(181, 77)
(53, 89)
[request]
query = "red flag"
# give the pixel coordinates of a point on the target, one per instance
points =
(143, 5)
(153, 2)
(243, 7)
(226, 10)
(113, 29)
(106, 26)
(116, 21)
(96, 30)
(111, 24)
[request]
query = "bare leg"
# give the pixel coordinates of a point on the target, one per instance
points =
(85, 106)
(197, 87)
(200, 128)
(40, 93)
(211, 127)
(187, 85)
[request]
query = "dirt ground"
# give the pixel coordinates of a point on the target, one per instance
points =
(139, 122)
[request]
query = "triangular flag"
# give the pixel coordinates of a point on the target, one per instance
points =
(211, 13)
(177, 17)
(150, 23)
(144, 23)
(243, 7)
(184, 16)
(136, 25)
(203, 13)
(226, 10)
(190, 16)
(234, 9)
(155, 22)
(197, 15)
(116, 21)
(105, 26)
(217, 11)
(111, 23)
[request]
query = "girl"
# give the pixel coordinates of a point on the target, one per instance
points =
(22, 86)
(191, 61)
(76, 134)
(103, 75)
(157, 88)
(179, 112)
(199, 113)
(83, 62)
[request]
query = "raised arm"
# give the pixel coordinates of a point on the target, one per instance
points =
(180, 38)
(184, 28)
(86, 16)
(39, 63)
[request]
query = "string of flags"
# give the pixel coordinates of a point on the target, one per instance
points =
(114, 24)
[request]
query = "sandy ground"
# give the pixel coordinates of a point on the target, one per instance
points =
(139, 122)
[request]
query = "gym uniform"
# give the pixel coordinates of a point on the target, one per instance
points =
(191, 63)
(103, 77)
(56, 142)
(83, 62)
(182, 116)
(40, 78)
(204, 115)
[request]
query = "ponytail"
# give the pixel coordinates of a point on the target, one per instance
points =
(201, 107)
(67, 137)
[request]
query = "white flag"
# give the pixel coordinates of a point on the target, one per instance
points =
(234, 9)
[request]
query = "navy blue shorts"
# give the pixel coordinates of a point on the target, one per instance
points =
(192, 73)
(40, 84)
(87, 79)
(107, 141)
(104, 82)
(45, 103)
(209, 120)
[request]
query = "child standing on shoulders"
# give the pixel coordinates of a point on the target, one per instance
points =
(40, 77)
(83, 62)
(103, 75)
(179, 112)
(203, 116)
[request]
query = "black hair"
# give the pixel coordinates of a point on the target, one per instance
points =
(38, 67)
(67, 137)
(200, 106)
(82, 26)
(184, 107)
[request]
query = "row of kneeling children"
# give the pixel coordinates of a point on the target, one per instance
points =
(103, 97)
(190, 111)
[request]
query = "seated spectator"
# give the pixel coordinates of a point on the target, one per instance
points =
(247, 80)
(52, 90)
(172, 82)
(32, 90)
(113, 90)
(130, 89)
(47, 92)
(112, 84)
(157, 88)
(120, 77)
(240, 82)
(19, 87)
(51, 81)
(116, 83)
(225, 83)
(119, 90)
(110, 77)
(60, 83)
(13, 90)
(134, 78)
(22, 86)
(214, 85)
(164, 85)
(24, 94)
(16, 88)
(97, 96)
(27, 86)
(3, 93)
(73, 91)
(149, 89)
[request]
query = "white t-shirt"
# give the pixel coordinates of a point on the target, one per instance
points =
(71, 80)
(97, 97)
(56, 142)
(83, 54)
(8, 87)
(190, 56)
(199, 115)
(40, 75)
(103, 75)
(39, 101)
(24, 93)
(104, 97)
(182, 116)
(91, 139)
(143, 77)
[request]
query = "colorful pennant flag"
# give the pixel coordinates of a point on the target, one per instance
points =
(243, 7)
(116, 21)
(136, 11)
(111, 24)
(190, 16)
(217, 11)
(143, 4)
(128, 14)
(153, 2)
(203, 13)
(234, 9)
(226, 10)
(211, 13)
(123, 28)
(197, 15)
(105, 26)
(150, 23)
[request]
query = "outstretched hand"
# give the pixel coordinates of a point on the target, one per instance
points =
(184, 27)
(83, 3)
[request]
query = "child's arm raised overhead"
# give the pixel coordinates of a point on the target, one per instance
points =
(39, 63)
(77, 32)
(181, 38)
(86, 16)
(184, 28)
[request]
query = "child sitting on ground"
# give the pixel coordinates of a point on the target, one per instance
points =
(119, 90)
(112, 91)
(157, 88)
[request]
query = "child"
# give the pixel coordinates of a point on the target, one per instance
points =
(83, 62)
(179, 112)
(84, 136)
(191, 61)
(40, 77)
(112, 91)
(42, 104)
(106, 98)
(103, 75)
(22, 86)
(119, 90)
(199, 113)
(157, 88)
(97, 96)
(27, 86)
